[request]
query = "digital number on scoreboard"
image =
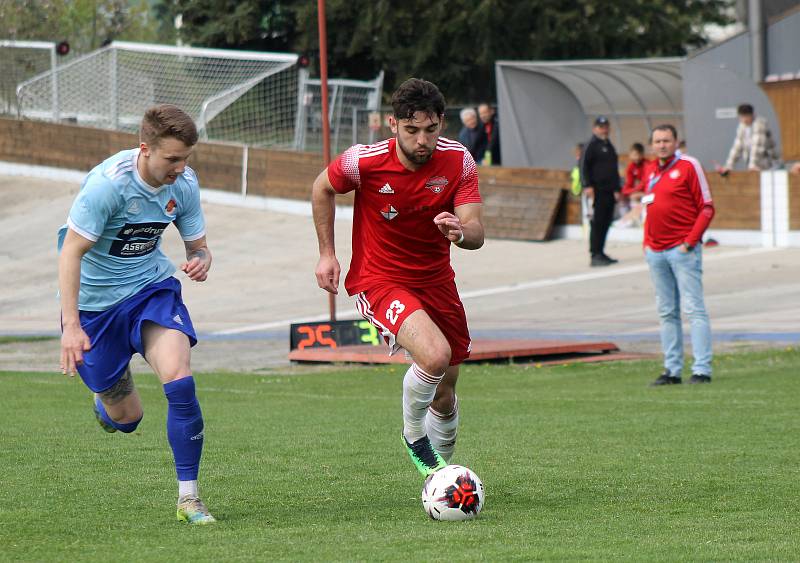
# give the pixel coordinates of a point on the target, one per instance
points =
(333, 334)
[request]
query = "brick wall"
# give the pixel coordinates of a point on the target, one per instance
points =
(282, 173)
(219, 166)
(737, 200)
(62, 146)
(785, 98)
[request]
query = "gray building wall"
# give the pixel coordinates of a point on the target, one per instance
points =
(733, 54)
(782, 49)
(783, 45)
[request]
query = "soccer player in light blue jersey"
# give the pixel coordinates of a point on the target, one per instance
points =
(118, 295)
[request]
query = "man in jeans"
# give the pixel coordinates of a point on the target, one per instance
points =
(678, 211)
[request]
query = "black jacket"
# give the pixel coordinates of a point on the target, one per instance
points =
(475, 141)
(494, 142)
(600, 166)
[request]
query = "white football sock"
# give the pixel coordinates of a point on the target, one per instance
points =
(443, 430)
(419, 389)
(187, 489)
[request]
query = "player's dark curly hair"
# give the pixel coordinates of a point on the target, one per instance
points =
(166, 120)
(415, 95)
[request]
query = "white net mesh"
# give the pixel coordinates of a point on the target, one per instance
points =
(235, 96)
(349, 105)
(20, 61)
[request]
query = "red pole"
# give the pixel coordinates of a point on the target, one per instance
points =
(326, 124)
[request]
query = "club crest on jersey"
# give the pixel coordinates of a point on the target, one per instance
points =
(674, 174)
(436, 184)
(171, 205)
(389, 212)
(386, 189)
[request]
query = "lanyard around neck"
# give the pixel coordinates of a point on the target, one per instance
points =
(654, 180)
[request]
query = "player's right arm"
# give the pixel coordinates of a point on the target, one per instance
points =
(323, 207)
(74, 341)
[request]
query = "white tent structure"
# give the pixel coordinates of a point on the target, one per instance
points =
(547, 107)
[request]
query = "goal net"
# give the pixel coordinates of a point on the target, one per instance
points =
(349, 104)
(20, 61)
(237, 96)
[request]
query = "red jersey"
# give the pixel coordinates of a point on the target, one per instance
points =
(681, 208)
(394, 236)
(634, 176)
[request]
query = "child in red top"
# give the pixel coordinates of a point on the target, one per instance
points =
(634, 187)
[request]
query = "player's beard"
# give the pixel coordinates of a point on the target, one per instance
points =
(413, 156)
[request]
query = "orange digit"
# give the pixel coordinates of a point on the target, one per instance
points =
(323, 339)
(309, 340)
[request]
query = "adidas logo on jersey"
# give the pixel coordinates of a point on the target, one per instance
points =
(386, 189)
(178, 319)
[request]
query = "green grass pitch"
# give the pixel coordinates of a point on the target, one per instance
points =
(579, 462)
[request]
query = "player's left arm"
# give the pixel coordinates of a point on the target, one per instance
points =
(198, 259)
(464, 228)
(698, 185)
(191, 225)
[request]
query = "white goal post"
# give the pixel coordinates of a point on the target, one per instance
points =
(238, 96)
(20, 61)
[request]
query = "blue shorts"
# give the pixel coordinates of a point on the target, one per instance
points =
(116, 333)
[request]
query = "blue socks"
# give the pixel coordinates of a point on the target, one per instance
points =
(184, 427)
(126, 427)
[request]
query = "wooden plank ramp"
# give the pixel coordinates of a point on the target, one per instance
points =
(495, 351)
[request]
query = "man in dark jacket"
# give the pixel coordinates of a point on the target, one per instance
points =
(489, 120)
(601, 184)
(472, 134)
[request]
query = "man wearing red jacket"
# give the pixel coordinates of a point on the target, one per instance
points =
(678, 211)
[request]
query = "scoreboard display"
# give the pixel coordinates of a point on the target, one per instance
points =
(333, 334)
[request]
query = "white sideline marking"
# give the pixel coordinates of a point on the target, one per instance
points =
(499, 290)
(280, 205)
(44, 172)
(606, 273)
(286, 322)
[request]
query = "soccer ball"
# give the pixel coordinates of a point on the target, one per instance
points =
(453, 493)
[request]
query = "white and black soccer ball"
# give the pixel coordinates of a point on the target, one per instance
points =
(453, 493)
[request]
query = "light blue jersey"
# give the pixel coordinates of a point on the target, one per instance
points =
(125, 218)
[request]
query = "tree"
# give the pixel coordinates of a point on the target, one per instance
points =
(86, 24)
(261, 25)
(455, 43)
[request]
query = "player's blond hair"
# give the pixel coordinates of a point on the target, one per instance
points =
(167, 120)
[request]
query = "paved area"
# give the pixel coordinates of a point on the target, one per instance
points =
(263, 278)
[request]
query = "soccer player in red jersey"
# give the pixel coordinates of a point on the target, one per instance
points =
(415, 195)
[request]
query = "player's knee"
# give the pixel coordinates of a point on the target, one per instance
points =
(126, 416)
(436, 359)
(128, 427)
(174, 373)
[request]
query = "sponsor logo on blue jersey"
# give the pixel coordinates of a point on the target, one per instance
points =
(137, 239)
